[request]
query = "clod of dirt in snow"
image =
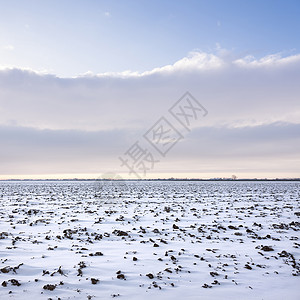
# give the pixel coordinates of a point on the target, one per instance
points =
(120, 275)
(8, 269)
(175, 226)
(4, 284)
(149, 275)
(94, 280)
(267, 248)
(49, 287)
(120, 233)
(96, 254)
(232, 227)
(115, 295)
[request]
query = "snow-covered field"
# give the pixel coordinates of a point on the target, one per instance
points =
(146, 240)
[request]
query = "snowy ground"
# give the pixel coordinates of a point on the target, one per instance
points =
(139, 240)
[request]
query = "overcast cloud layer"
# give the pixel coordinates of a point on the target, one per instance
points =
(81, 125)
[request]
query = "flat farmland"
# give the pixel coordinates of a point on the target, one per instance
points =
(145, 239)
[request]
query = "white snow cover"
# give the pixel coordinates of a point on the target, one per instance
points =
(146, 240)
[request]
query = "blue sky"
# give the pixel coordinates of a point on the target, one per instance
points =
(82, 81)
(68, 38)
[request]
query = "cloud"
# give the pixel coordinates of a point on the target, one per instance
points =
(107, 14)
(249, 101)
(76, 151)
(9, 47)
(274, 139)
(274, 60)
(193, 62)
(233, 93)
(58, 151)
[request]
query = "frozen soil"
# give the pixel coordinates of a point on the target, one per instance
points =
(139, 240)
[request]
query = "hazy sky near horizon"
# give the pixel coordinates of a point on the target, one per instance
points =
(82, 81)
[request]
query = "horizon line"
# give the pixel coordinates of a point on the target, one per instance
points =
(155, 179)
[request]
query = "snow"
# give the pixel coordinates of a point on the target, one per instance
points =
(170, 240)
